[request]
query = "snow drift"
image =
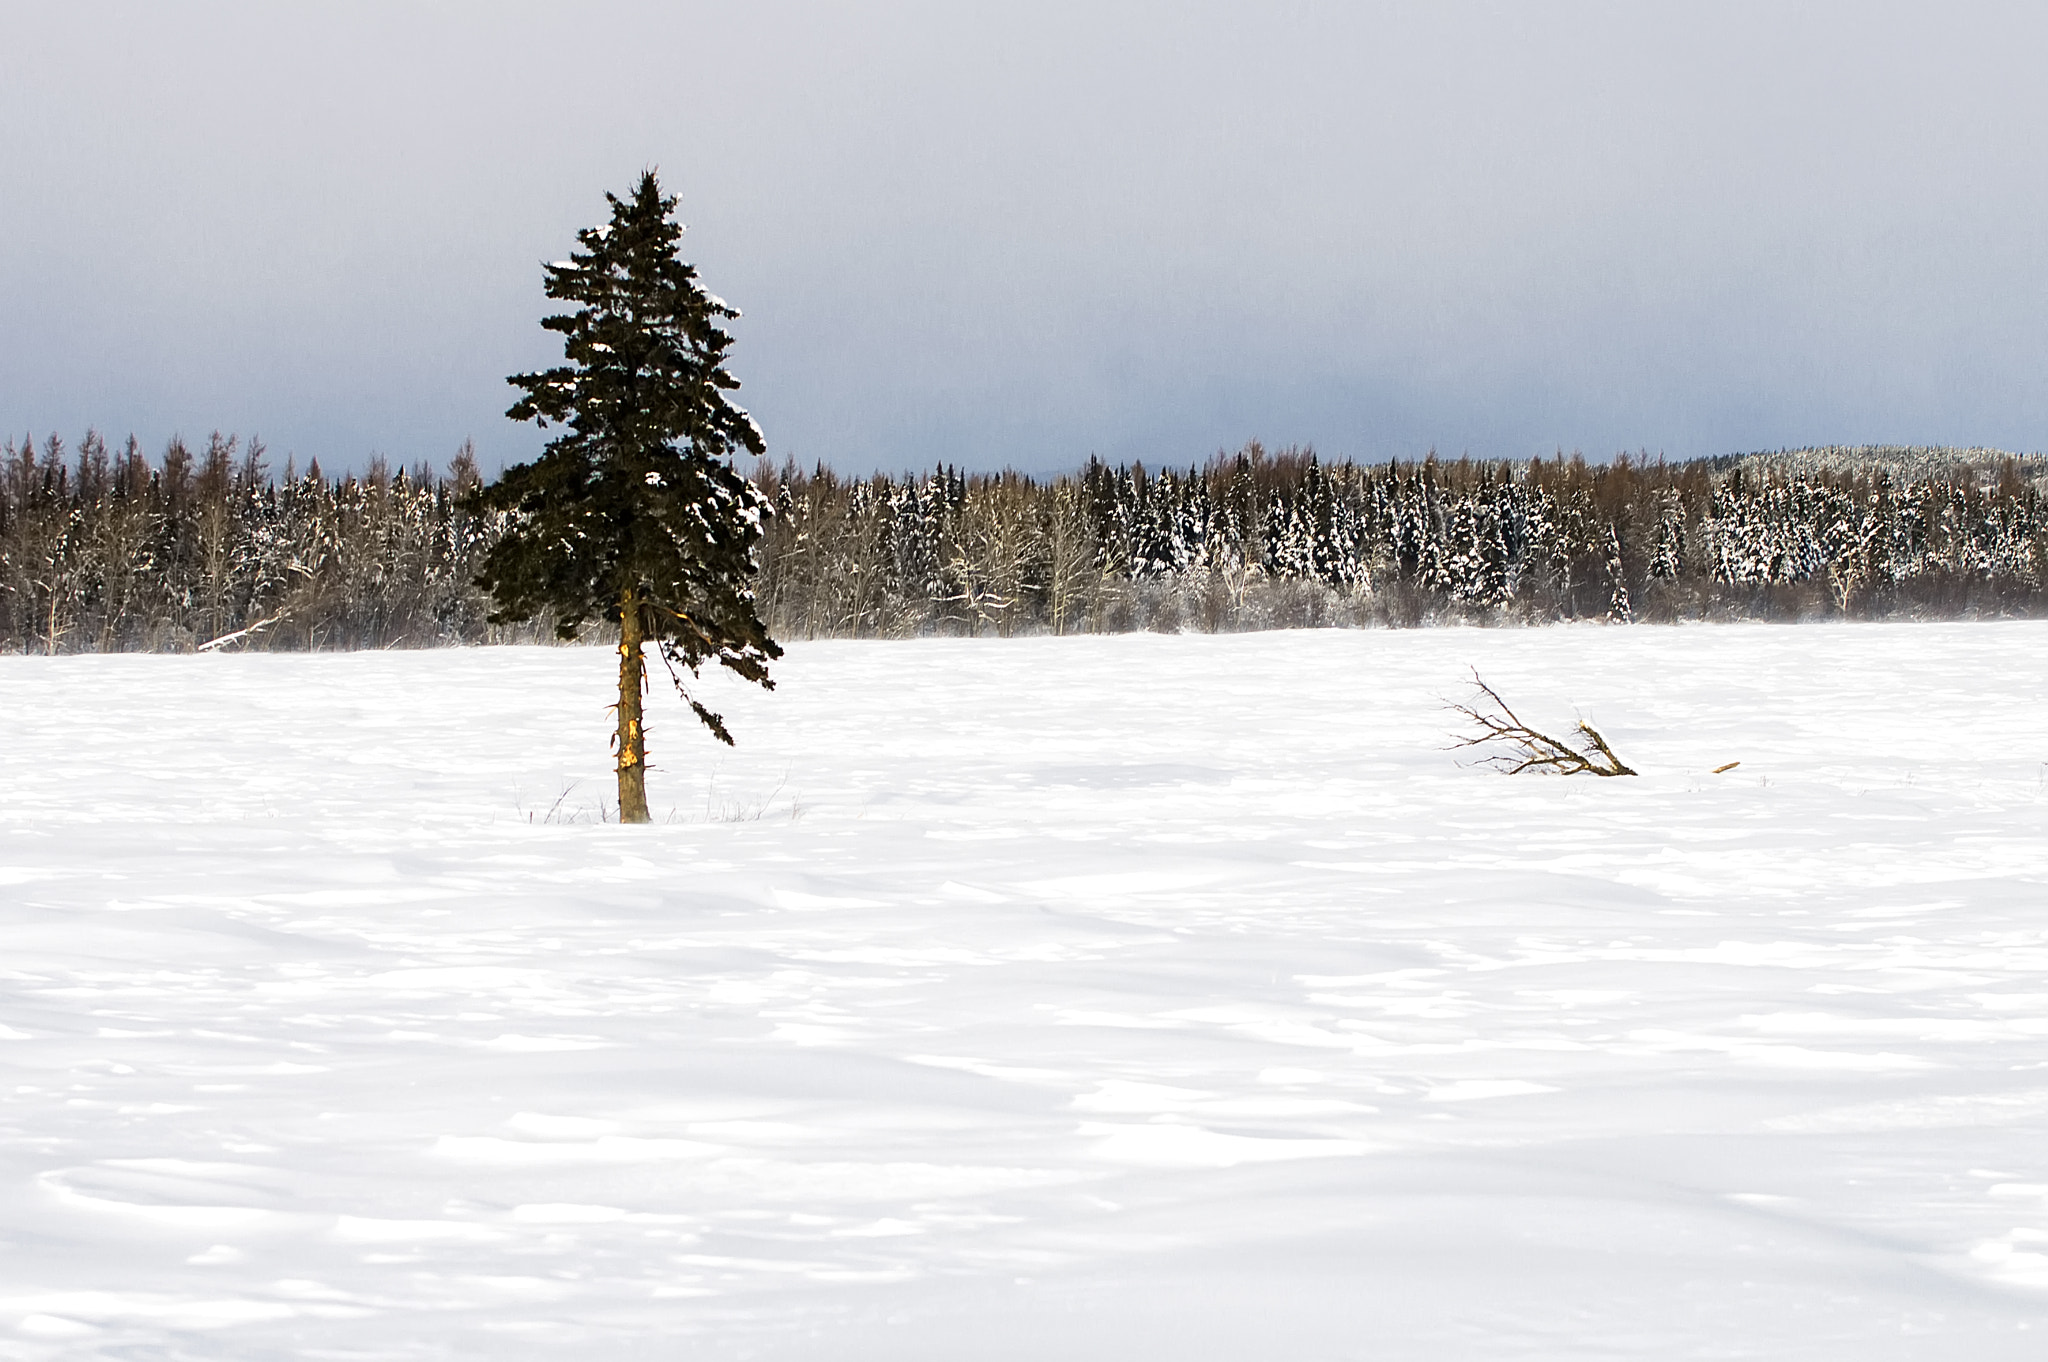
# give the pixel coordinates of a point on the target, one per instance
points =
(1084, 998)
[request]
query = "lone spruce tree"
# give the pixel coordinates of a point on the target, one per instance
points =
(635, 514)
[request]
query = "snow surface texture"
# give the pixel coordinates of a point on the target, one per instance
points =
(1096, 998)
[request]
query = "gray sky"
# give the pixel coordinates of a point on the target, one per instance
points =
(1018, 234)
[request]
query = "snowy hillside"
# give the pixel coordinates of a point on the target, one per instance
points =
(1101, 998)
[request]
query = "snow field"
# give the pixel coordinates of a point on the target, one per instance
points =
(1085, 998)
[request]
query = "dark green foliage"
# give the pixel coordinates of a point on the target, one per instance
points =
(636, 504)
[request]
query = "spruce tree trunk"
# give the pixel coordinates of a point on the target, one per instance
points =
(632, 738)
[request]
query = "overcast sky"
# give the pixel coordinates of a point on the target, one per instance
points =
(1021, 234)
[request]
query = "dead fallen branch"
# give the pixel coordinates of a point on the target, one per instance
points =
(1529, 750)
(229, 640)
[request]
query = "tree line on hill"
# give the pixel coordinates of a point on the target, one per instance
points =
(105, 550)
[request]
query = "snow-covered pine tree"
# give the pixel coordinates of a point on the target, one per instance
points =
(635, 514)
(1667, 560)
(1427, 527)
(1477, 559)
(1239, 507)
(1618, 608)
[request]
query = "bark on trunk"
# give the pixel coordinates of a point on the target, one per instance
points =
(632, 738)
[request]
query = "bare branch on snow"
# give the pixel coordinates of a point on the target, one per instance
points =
(1526, 748)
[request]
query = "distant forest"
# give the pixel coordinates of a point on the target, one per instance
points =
(105, 550)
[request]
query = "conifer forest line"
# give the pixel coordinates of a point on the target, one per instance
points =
(105, 550)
